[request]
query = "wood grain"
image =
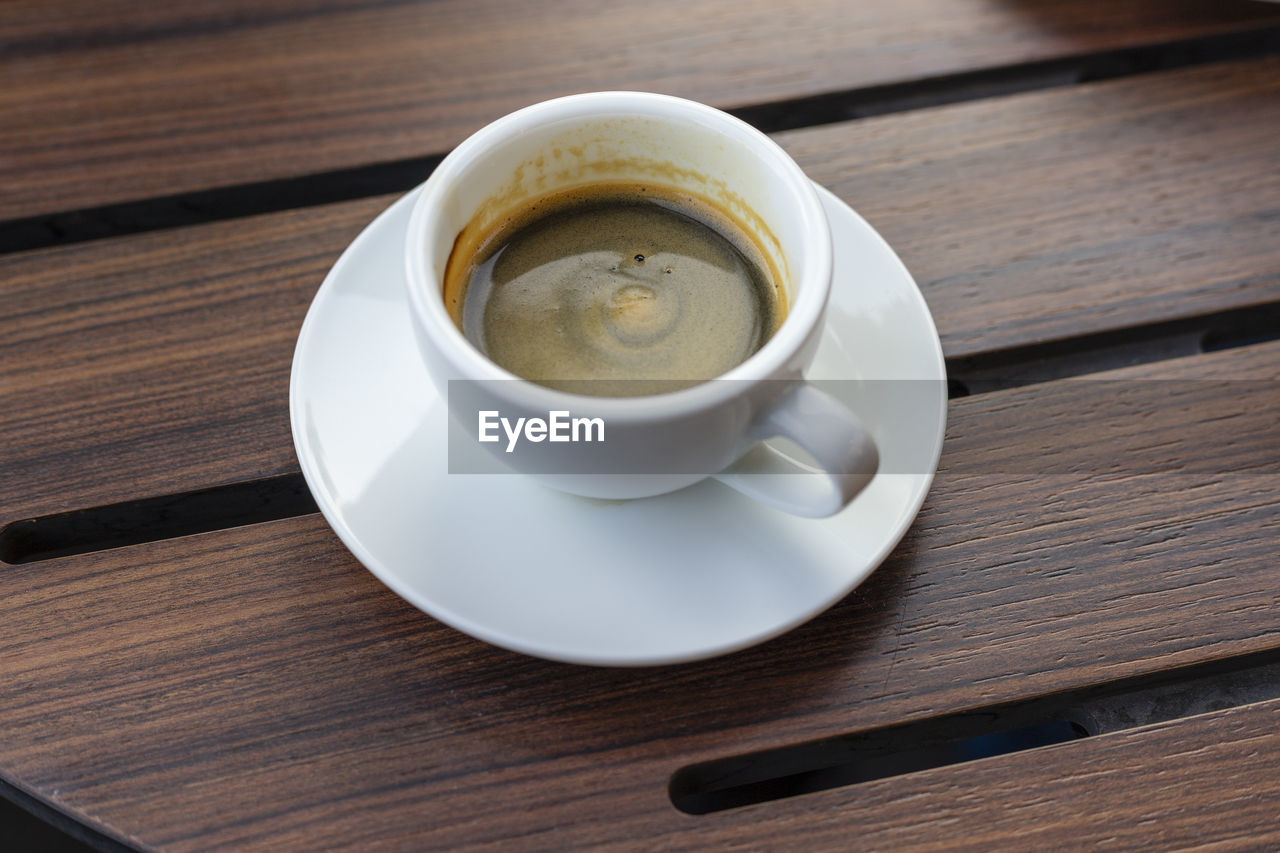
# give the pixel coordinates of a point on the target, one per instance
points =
(159, 363)
(1049, 215)
(113, 101)
(1195, 784)
(256, 688)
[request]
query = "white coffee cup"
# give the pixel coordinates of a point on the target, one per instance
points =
(663, 442)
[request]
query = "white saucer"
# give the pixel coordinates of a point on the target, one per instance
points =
(675, 578)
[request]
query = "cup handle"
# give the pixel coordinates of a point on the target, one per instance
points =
(846, 454)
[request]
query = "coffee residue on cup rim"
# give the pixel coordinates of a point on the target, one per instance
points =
(500, 214)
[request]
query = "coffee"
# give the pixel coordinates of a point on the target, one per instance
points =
(614, 289)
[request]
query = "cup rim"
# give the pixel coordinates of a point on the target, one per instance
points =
(768, 362)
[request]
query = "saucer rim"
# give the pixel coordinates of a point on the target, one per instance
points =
(330, 509)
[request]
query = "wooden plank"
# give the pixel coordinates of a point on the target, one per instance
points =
(1050, 215)
(112, 101)
(257, 688)
(157, 364)
(174, 347)
(1206, 782)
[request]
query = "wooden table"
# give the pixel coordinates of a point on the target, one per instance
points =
(1084, 190)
